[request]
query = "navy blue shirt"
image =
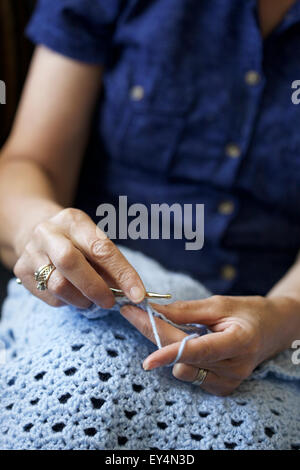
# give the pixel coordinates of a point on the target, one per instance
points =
(196, 108)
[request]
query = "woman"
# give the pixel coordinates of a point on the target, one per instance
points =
(195, 106)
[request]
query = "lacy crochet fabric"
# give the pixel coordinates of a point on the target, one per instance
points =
(72, 382)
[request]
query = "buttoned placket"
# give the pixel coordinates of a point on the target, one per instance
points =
(252, 84)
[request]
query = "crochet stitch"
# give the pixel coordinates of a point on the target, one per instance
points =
(74, 381)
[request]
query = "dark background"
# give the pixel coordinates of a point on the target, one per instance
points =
(15, 53)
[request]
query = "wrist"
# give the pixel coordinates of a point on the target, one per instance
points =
(285, 317)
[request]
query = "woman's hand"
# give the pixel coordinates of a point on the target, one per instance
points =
(245, 332)
(86, 262)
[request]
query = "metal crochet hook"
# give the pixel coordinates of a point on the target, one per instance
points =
(149, 295)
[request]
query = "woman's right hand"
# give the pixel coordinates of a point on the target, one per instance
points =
(87, 263)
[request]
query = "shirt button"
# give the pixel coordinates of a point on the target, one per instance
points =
(137, 93)
(233, 151)
(252, 77)
(226, 208)
(228, 272)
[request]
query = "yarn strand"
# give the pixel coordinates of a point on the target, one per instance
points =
(145, 306)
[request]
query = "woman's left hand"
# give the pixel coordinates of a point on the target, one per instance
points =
(245, 332)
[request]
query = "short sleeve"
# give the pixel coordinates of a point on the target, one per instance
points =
(80, 29)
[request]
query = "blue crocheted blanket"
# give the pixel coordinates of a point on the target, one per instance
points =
(73, 381)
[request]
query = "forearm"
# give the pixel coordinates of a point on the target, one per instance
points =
(41, 161)
(27, 197)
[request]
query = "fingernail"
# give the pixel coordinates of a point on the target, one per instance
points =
(146, 365)
(176, 368)
(137, 294)
(108, 304)
(125, 309)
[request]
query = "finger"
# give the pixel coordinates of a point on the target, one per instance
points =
(207, 349)
(77, 270)
(56, 247)
(140, 319)
(99, 249)
(24, 270)
(212, 383)
(206, 311)
(61, 288)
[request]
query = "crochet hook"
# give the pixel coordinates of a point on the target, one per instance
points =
(149, 295)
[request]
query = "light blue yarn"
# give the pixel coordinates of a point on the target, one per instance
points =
(145, 305)
(182, 346)
(153, 324)
(74, 380)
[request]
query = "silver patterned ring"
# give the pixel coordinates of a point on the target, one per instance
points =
(200, 377)
(42, 276)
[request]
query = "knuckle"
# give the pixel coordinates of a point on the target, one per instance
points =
(71, 214)
(67, 259)
(216, 298)
(222, 303)
(102, 249)
(218, 301)
(238, 335)
(98, 294)
(206, 351)
(241, 336)
(41, 229)
(92, 291)
(22, 268)
(58, 285)
(123, 276)
(146, 331)
(19, 268)
(143, 326)
(247, 339)
(30, 249)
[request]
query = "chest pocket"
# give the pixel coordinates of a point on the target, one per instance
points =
(152, 114)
